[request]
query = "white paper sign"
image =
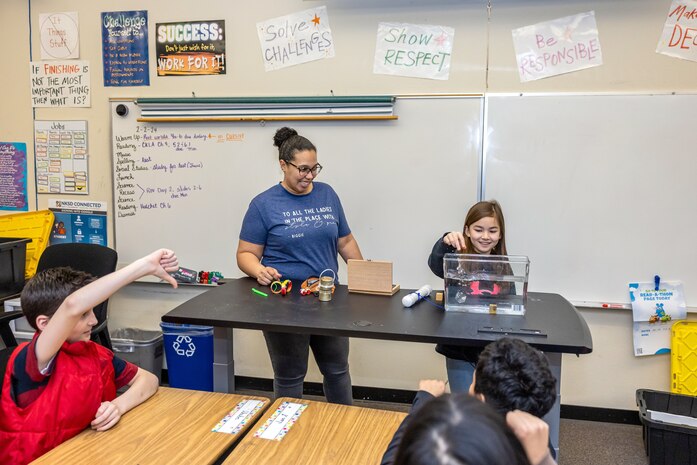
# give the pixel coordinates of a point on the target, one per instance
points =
(295, 39)
(679, 37)
(654, 312)
(651, 339)
(59, 36)
(413, 50)
(238, 417)
(557, 47)
(280, 421)
(60, 83)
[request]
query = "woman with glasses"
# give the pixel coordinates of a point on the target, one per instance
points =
(294, 230)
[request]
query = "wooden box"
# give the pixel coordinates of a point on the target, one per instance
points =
(371, 277)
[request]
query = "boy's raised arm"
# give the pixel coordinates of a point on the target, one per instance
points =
(58, 328)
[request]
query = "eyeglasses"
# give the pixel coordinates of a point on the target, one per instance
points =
(304, 170)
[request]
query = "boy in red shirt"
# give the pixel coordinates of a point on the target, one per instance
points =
(61, 382)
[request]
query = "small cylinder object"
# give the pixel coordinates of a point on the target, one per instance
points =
(326, 283)
(326, 286)
(492, 308)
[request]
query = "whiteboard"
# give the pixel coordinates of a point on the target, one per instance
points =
(597, 190)
(402, 183)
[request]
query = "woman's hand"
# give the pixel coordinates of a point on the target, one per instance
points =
(455, 239)
(267, 275)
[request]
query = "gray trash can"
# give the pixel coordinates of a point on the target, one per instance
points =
(140, 347)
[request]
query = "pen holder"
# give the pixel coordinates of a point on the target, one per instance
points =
(326, 286)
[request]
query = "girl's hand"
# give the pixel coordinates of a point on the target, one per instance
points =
(108, 414)
(267, 275)
(455, 239)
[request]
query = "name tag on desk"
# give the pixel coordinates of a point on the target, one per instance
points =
(238, 417)
(281, 421)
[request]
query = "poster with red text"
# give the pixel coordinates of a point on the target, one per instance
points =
(190, 48)
(679, 37)
(63, 83)
(60, 38)
(556, 47)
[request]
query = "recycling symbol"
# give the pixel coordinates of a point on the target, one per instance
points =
(184, 346)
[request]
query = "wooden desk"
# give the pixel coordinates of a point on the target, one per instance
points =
(327, 434)
(174, 426)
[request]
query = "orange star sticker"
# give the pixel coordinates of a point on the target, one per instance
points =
(316, 20)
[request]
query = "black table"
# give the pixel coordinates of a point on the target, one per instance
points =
(550, 323)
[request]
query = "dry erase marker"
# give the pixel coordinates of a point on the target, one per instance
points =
(258, 292)
(613, 306)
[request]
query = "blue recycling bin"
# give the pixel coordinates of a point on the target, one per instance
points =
(189, 353)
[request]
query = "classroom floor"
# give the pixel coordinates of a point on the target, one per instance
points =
(580, 442)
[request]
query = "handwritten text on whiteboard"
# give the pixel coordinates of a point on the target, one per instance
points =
(149, 163)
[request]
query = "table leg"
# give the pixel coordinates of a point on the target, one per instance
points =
(223, 362)
(552, 417)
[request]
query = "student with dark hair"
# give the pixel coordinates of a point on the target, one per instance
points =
(60, 382)
(458, 429)
(510, 375)
(294, 230)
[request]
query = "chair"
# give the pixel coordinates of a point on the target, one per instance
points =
(94, 259)
(7, 338)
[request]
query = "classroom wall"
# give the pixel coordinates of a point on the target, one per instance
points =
(16, 123)
(483, 61)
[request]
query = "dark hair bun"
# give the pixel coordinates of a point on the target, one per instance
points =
(282, 135)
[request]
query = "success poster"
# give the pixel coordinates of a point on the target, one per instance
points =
(190, 48)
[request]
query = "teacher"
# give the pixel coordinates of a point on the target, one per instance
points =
(295, 230)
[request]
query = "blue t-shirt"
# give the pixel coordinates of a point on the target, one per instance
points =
(299, 233)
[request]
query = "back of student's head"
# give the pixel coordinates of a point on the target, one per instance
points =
(458, 429)
(46, 291)
(513, 375)
(486, 209)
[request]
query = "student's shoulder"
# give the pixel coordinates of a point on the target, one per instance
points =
(25, 367)
(19, 358)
